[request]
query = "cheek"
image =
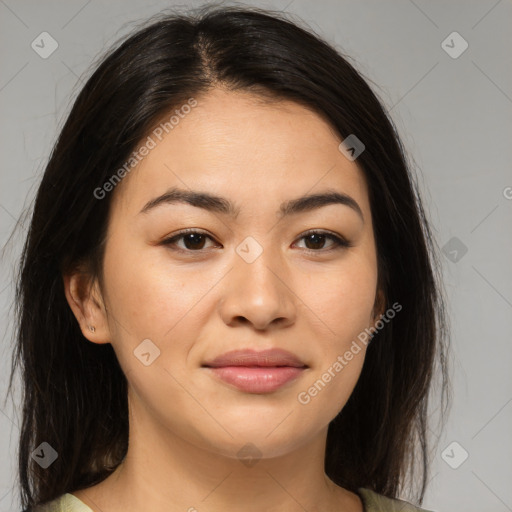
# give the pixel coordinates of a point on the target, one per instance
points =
(148, 302)
(147, 295)
(342, 300)
(151, 300)
(324, 393)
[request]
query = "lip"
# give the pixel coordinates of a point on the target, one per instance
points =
(257, 371)
(251, 357)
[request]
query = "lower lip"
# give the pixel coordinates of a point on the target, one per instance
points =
(257, 379)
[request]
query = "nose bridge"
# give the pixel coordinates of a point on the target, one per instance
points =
(258, 267)
(257, 290)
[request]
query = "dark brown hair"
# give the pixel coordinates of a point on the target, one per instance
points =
(75, 393)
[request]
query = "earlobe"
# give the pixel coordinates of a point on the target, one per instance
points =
(85, 300)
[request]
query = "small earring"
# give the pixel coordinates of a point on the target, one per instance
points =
(92, 328)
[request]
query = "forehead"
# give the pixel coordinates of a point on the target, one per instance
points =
(236, 144)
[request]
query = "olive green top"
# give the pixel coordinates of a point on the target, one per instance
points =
(372, 502)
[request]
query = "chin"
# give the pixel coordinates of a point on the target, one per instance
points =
(258, 443)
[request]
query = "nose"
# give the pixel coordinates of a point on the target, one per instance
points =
(259, 294)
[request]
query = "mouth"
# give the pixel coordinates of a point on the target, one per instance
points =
(256, 371)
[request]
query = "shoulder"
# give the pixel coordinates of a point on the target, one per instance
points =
(64, 503)
(374, 502)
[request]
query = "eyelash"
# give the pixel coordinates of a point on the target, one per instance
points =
(339, 242)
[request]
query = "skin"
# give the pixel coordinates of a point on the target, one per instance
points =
(186, 427)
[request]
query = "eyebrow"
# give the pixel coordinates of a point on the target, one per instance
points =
(222, 205)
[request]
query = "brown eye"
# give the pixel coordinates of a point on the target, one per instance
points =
(315, 241)
(193, 240)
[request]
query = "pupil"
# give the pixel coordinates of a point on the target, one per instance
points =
(194, 238)
(313, 237)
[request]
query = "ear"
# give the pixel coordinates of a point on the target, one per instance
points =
(86, 301)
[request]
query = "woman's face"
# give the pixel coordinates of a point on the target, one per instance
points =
(248, 279)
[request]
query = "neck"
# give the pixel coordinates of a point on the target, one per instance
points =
(164, 472)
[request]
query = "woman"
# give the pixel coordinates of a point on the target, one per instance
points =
(228, 297)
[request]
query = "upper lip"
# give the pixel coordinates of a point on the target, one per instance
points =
(250, 357)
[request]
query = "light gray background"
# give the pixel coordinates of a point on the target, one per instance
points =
(455, 118)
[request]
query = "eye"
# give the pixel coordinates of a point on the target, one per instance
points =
(192, 238)
(316, 239)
